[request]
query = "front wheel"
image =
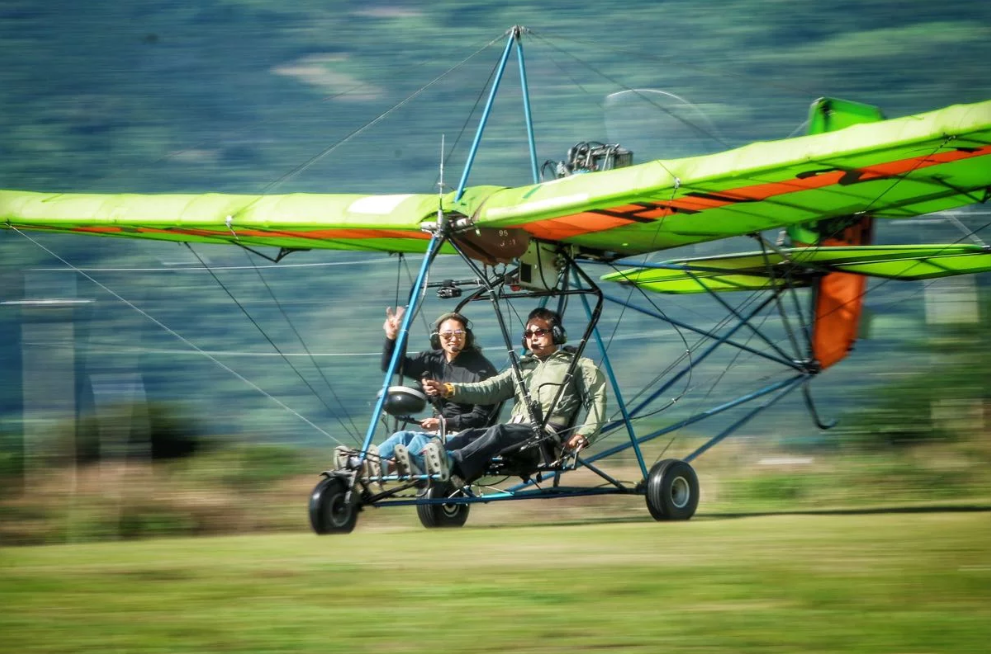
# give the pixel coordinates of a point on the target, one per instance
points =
(330, 512)
(672, 490)
(440, 516)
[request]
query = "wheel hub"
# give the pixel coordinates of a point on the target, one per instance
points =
(681, 492)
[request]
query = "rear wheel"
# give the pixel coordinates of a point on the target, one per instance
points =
(330, 512)
(440, 516)
(672, 490)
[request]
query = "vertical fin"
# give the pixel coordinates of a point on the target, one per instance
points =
(838, 298)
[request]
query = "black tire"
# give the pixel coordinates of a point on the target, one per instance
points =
(672, 490)
(330, 513)
(441, 516)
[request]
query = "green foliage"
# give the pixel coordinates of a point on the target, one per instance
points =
(150, 431)
(246, 467)
(780, 489)
(154, 522)
(11, 461)
(937, 404)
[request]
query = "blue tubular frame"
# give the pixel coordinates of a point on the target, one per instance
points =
(526, 111)
(723, 339)
(691, 270)
(802, 369)
(515, 36)
(415, 295)
(614, 383)
(776, 391)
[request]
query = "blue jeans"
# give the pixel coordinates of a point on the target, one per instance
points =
(414, 441)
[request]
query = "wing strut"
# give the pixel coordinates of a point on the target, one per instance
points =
(515, 36)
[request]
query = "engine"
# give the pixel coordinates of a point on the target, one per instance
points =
(588, 157)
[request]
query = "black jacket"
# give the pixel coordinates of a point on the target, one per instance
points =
(468, 367)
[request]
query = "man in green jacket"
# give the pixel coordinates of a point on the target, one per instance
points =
(544, 372)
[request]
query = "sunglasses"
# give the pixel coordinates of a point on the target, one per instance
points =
(535, 332)
(457, 333)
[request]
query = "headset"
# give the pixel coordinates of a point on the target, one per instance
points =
(435, 330)
(559, 336)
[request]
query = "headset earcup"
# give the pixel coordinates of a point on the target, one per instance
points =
(469, 339)
(435, 341)
(560, 336)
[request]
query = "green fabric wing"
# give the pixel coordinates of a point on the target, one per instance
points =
(889, 169)
(298, 221)
(800, 266)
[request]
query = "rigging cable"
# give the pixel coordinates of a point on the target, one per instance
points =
(698, 128)
(758, 80)
(464, 127)
(305, 348)
(901, 177)
(403, 74)
(353, 435)
(326, 151)
(182, 338)
(197, 269)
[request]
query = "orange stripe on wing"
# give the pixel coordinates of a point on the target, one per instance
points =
(589, 222)
(908, 165)
(574, 225)
(96, 230)
(318, 234)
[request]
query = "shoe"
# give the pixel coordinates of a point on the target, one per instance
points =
(374, 462)
(341, 455)
(404, 467)
(457, 482)
(435, 459)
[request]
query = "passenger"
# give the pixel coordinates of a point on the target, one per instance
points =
(544, 369)
(454, 357)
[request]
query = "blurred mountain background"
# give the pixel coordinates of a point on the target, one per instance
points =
(252, 96)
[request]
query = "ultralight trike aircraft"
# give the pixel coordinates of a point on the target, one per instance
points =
(539, 243)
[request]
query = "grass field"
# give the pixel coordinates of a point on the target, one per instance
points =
(873, 582)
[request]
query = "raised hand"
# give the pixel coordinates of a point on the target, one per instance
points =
(393, 320)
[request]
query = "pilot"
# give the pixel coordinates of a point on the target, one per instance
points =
(454, 358)
(544, 371)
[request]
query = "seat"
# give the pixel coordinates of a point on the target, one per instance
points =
(537, 455)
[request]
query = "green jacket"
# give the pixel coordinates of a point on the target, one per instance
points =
(543, 378)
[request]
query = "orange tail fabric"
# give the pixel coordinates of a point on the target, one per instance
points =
(839, 298)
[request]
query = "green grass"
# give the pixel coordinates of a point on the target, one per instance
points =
(881, 582)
